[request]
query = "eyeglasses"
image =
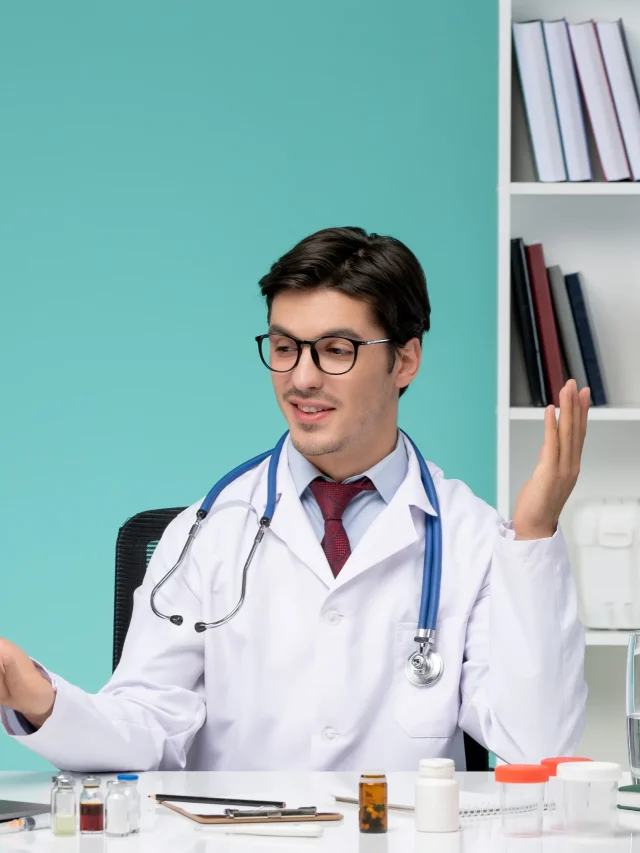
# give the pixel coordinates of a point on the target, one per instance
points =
(281, 353)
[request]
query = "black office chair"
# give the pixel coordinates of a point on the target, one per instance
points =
(137, 540)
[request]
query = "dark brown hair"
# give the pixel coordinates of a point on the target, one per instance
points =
(377, 269)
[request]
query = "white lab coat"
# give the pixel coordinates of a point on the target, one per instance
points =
(311, 672)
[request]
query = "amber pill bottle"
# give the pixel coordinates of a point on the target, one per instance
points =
(373, 809)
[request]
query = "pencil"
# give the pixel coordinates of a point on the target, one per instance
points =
(218, 801)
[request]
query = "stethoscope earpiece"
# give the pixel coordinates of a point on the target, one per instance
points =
(176, 620)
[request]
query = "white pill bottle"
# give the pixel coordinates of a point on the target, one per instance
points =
(437, 796)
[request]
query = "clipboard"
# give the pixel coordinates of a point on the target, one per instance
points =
(209, 819)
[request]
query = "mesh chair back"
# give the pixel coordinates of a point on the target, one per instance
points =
(137, 540)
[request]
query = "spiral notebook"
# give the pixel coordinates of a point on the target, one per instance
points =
(473, 805)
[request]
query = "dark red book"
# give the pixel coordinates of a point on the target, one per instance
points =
(546, 321)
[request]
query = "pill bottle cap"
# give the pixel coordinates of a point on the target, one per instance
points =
(590, 771)
(437, 768)
(128, 777)
(521, 774)
(552, 763)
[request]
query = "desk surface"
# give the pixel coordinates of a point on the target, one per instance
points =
(165, 832)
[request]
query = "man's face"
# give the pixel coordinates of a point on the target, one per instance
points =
(355, 405)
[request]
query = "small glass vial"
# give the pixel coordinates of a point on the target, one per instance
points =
(373, 806)
(130, 780)
(91, 806)
(117, 810)
(64, 807)
(54, 784)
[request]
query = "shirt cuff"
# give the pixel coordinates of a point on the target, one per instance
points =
(16, 724)
(507, 531)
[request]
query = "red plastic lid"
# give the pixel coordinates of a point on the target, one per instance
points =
(552, 763)
(520, 774)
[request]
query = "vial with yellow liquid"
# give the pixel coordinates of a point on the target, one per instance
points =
(373, 810)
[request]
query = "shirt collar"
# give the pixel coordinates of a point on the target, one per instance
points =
(386, 475)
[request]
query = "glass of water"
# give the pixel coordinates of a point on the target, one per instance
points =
(633, 705)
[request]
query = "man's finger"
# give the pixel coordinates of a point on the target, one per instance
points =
(549, 451)
(585, 402)
(565, 431)
(576, 435)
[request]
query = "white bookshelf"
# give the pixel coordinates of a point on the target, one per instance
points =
(593, 228)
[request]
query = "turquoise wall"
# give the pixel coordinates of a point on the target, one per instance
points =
(156, 158)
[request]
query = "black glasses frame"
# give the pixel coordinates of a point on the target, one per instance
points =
(314, 352)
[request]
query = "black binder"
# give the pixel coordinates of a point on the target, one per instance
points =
(526, 323)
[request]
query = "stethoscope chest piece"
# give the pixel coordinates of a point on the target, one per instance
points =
(424, 668)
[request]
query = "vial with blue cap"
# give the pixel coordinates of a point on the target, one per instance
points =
(130, 785)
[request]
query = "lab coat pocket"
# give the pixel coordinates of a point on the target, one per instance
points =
(429, 711)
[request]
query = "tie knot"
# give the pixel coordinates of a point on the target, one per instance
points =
(333, 498)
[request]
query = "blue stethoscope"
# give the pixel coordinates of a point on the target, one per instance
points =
(424, 666)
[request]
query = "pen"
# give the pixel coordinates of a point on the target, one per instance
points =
(26, 824)
(219, 801)
(355, 802)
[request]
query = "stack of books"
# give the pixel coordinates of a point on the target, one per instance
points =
(575, 76)
(552, 336)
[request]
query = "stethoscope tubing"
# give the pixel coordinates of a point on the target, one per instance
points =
(432, 563)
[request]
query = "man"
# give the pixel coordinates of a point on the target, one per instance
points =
(310, 673)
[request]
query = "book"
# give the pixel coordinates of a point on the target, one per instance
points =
(629, 797)
(545, 318)
(601, 110)
(526, 323)
(566, 327)
(539, 103)
(586, 338)
(623, 88)
(567, 99)
(519, 393)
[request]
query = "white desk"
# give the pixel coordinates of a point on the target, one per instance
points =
(165, 832)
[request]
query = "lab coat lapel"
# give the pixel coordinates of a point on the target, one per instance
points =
(394, 529)
(291, 524)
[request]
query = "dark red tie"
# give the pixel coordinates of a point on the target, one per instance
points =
(333, 499)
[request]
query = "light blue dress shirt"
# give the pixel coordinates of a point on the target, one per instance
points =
(386, 476)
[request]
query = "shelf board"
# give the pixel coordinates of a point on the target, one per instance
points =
(596, 413)
(570, 188)
(594, 637)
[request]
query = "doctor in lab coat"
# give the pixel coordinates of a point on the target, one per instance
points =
(310, 674)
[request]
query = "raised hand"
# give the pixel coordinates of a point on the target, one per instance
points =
(545, 493)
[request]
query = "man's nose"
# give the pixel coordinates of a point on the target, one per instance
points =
(306, 374)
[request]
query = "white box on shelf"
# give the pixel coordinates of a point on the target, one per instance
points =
(607, 536)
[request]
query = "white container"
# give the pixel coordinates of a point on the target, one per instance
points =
(437, 796)
(552, 794)
(589, 796)
(607, 536)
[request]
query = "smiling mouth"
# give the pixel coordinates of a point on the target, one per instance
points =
(310, 414)
(312, 410)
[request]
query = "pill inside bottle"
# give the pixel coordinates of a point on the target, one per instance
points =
(373, 807)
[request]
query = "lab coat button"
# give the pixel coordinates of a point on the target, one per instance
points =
(332, 617)
(330, 735)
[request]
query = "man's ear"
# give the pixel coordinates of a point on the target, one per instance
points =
(408, 362)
